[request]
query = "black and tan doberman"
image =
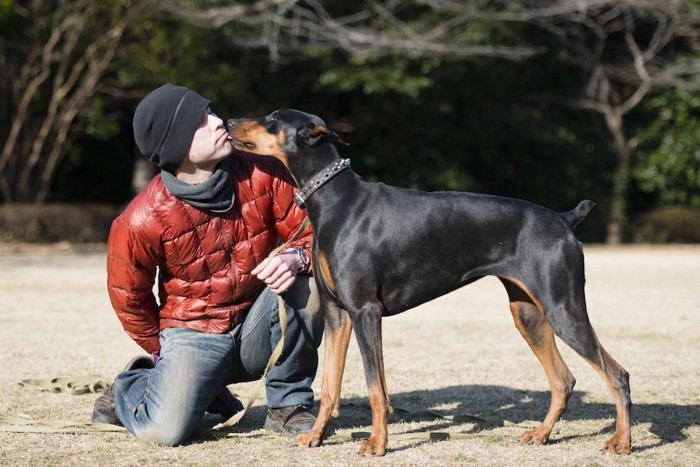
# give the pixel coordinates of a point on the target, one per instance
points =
(380, 250)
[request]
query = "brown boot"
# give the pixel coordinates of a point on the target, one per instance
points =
(290, 421)
(104, 405)
(104, 408)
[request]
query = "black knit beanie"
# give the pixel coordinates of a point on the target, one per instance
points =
(165, 122)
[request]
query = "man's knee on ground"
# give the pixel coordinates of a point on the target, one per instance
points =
(170, 434)
(167, 429)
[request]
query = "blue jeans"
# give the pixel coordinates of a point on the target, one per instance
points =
(166, 403)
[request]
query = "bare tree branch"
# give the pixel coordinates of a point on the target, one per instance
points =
(63, 70)
(45, 53)
(99, 56)
(374, 28)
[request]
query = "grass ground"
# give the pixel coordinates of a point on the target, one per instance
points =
(455, 365)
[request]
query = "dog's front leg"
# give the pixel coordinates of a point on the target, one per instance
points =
(368, 330)
(338, 330)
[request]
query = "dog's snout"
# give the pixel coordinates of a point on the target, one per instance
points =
(230, 123)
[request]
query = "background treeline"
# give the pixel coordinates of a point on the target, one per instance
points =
(550, 101)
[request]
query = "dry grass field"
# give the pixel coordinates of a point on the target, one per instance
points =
(455, 365)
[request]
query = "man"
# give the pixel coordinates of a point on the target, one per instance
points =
(205, 226)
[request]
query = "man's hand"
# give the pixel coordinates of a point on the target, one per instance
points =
(279, 273)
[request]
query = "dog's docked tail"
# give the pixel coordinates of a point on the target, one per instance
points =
(577, 214)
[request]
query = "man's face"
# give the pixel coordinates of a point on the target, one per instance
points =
(211, 143)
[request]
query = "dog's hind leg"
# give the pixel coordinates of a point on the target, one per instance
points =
(617, 379)
(565, 310)
(574, 328)
(338, 328)
(533, 326)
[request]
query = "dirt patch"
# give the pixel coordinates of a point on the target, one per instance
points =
(458, 355)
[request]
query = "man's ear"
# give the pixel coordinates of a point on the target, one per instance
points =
(315, 134)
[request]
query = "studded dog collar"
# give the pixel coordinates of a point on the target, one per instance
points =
(318, 180)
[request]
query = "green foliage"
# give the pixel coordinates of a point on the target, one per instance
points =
(378, 75)
(668, 166)
(9, 20)
(162, 49)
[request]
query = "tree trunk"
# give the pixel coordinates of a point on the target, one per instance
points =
(617, 221)
(618, 202)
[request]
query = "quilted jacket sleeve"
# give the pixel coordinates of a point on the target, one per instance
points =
(131, 272)
(288, 216)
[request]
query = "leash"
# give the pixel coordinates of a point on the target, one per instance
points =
(280, 344)
(73, 385)
(29, 425)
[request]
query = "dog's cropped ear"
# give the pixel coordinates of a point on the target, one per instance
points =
(315, 134)
(338, 139)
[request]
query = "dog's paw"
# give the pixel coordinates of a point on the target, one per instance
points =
(534, 437)
(619, 444)
(373, 447)
(307, 440)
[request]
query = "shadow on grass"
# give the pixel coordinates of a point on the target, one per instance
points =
(488, 407)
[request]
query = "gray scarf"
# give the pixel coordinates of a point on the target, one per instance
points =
(215, 194)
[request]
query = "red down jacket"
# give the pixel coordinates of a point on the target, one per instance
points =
(203, 260)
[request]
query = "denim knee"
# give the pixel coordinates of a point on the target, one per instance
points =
(166, 434)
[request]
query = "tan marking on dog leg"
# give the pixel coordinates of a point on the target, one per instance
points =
(540, 337)
(337, 340)
(325, 271)
(378, 399)
(615, 376)
(617, 380)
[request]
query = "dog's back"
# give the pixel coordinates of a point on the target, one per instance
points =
(440, 240)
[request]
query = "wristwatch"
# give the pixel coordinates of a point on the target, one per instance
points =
(301, 255)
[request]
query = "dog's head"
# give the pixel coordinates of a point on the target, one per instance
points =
(303, 142)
